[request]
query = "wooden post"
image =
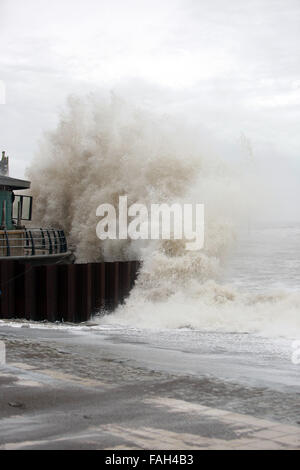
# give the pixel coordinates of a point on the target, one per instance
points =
(79, 293)
(30, 292)
(62, 295)
(51, 293)
(83, 291)
(125, 279)
(19, 311)
(116, 297)
(112, 285)
(95, 288)
(71, 293)
(41, 292)
(89, 293)
(98, 281)
(102, 285)
(7, 288)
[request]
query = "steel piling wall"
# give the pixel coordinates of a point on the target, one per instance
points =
(63, 292)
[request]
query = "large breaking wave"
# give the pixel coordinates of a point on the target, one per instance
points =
(105, 147)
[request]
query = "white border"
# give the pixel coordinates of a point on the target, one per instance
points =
(2, 353)
(2, 92)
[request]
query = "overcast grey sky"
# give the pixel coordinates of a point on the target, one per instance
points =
(231, 65)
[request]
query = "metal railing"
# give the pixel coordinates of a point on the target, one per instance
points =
(32, 242)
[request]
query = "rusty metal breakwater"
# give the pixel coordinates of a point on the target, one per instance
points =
(66, 292)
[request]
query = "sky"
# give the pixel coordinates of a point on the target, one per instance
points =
(231, 66)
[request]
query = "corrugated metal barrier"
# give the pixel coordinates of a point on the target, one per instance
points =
(63, 292)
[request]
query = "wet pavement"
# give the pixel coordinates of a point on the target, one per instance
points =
(114, 389)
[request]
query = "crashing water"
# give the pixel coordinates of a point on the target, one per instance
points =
(104, 148)
(257, 291)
